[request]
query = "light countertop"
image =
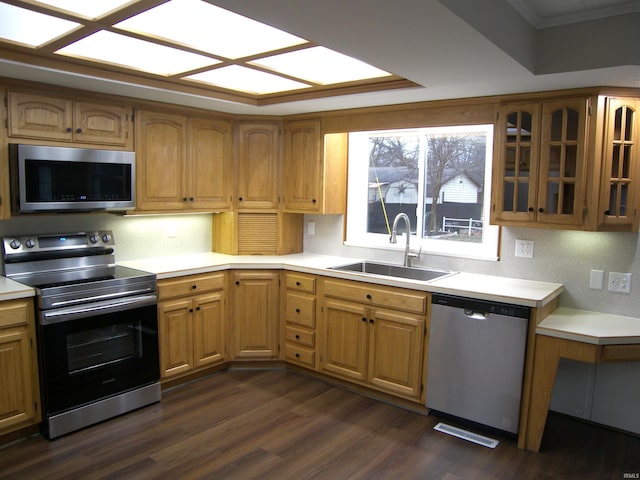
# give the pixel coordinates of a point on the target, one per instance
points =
(591, 327)
(10, 290)
(488, 287)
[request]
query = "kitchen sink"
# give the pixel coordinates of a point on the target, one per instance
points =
(390, 270)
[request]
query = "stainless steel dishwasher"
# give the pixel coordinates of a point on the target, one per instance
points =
(476, 360)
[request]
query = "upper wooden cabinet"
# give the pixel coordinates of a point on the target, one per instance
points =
(182, 163)
(314, 171)
(541, 163)
(257, 165)
(42, 117)
(618, 205)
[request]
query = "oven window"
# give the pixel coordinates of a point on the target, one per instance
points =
(102, 346)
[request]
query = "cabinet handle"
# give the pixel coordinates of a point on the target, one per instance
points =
(371, 320)
(239, 199)
(607, 212)
(193, 287)
(364, 319)
(78, 130)
(198, 308)
(237, 282)
(191, 199)
(184, 199)
(297, 284)
(191, 310)
(297, 310)
(313, 201)
(297, 355)
(297, 337)
(368, 296)
(69, 129)
(531, 209)
(541, 210)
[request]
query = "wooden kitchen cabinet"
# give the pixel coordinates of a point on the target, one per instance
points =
(19, 387)
(314, 171)
(257, 233)
(182, 163)
(540, 166)
(254, 315)
(618, 206)
(300, 319)
(43, 117)
(192, 322)
(257, 165)
(374, 335)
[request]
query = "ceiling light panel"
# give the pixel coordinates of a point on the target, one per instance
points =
(320, 65)
(247, 80)
(87, 8)
(32, 29)
(115, 49)
(208, 28)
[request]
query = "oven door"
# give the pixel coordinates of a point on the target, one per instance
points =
(97, 350)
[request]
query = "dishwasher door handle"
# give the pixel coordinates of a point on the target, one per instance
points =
(475, 315)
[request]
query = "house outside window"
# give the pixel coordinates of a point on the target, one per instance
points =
(440, 177)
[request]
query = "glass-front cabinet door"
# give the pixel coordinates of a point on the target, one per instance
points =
(562, 162)
(515, 174)
(539, 174)
(619, 166)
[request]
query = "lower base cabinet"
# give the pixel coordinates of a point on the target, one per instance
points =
(192, 322)
(19, 390)
(254, 315)
(376, 346)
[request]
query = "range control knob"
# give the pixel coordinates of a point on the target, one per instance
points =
(94, 238)
(15, 244)
(106, 238)
(29, 243)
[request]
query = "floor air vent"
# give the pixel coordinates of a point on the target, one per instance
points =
(466, 435)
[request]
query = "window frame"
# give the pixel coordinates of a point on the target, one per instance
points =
(358, 189)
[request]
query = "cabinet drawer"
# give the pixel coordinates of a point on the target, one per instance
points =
(14, 312)
(301, 282)
(182, 286)
(300, 337)
(301, 309)
(301, 355)
(620, 353)
(395, 298)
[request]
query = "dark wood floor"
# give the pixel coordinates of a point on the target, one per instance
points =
(281, 425)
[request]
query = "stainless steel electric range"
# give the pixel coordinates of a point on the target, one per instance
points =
(97, 327)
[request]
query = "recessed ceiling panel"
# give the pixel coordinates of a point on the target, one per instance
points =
(87, 8)
(208, 28)
(115, 49)
(248, 80)
(29, 28)
(320, 65)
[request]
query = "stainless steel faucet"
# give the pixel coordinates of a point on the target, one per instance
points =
(407, 252)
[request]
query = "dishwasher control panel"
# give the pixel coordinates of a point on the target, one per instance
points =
(481, 306)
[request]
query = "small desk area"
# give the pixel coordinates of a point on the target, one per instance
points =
(580, 335)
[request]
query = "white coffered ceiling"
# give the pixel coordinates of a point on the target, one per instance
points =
(450, 48)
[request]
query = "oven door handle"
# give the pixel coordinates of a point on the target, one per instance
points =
(59, 315)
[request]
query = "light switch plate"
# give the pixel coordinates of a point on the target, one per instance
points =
(596, 280)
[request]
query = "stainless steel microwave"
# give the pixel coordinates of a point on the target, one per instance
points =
(57, 179)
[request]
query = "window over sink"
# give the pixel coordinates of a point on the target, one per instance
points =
(439, 177)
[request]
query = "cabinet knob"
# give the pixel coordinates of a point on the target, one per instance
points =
(198, 308)
(184, 199)
(297, 355)
(371, 320)
(191, 199)
(368, 296)
(237, 282)
(297, 284)
(78, 130)
(607, 212)
(69, 129)
(314, 200)
(191, 310)
(297, 337)
(239, 199)
(530, 209)
(297, 310)
(193, 287)
(541, 210)
(364, 319)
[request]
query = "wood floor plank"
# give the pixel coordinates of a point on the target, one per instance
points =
(281, 425)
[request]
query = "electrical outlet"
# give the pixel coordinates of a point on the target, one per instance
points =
(619, 282)
(524, 248)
